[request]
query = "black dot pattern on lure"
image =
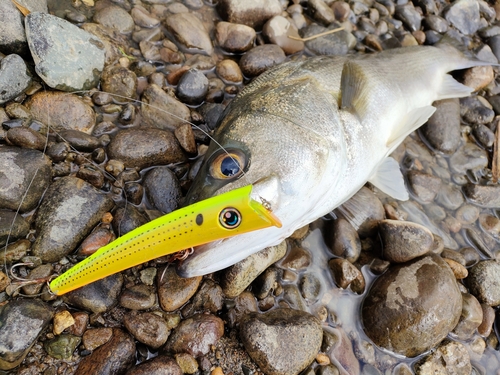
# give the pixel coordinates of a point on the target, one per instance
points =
(107, 258)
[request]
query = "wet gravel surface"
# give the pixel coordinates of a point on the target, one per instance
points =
(105, 108)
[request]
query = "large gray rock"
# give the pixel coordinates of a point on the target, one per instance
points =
(413, 306)
(14, 78)
(66, 57)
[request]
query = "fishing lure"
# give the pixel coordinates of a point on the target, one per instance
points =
(222, 216)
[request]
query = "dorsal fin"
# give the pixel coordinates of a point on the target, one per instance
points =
(353, 89)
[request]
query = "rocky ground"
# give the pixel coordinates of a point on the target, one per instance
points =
(384, 287)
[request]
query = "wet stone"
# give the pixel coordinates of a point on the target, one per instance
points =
(336, 44)
(409, 15)
(435, 23)
(13, 77)
(22, 321)
(475, 112)
(187, 363)
(114, 357)
(144, 19)
(62, 347)
(479, 77)
(484, 282)
(450, 197)
(423, 185)
(79, 140)
(147, 327)
(208, 298)
(442, 130)
(483, 195)
(14, 251)
(343, 240)
(159, 108)
(115, 18)
(138, 297)
(79, 327)
(320, 12)
(234, 37)
(346, 274)
(310, 287)
(278, 30)
(265, 283)
(471, 318)
(450, 358)
(483, 135)
(297, 258)
(66, 57)
(196, 335)
(229, 71)
(62, 111)
(261, 58)
(144, 147)
(160, 365)
(486, 325)
(464, 15)
(97, 297)
(69, 210)
(189, 31)
(467, 214)
(192, 87)
(163, 189)
(20, 170)
(298, 332)
(404, 240)
(238, 277)
(41, 272)
(96, 337)
(12, 35)
(26, 138)
(408, 296)
(119, 81)
(251, 13)
(490, 224)
(173, 290)
(126, 219)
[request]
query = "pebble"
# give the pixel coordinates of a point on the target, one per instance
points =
(424, 186)
(343, 240)
(145, 147)
(12, 35)
(192, 87)
(79, 327)
(449, 358)
(97, 297)
(196, 335)
(436, 23)
(115, 18)
(234, 37)
(40, 272)
(471, 318)
(119, 82)
(336, 44)
(69, 210)
(261, 58)
(251, 13)
(297, 259)
(479, 77)
(442, 130)
(25, 175)
(138, 297)
(484, 282)
(486, 325)
(22, 321)
(114, 357)
(62, 111)
(14, 251)
(208, 298)
(299, 332)
(66, 57)
(450, 197)
(407, 13)
(159, 365)
(279, 29)
(310, 287)
(62, 347)
(147, 327)
(189, 32)
(320, 12)
(400, 308)
(25, 138)
(14, 78)
(346, 274)
(475, 112)
(404, 240)
(239, 276)
(229, 71)
(173, 290)
(185, 135)
(79, 140)
(483, 195)
(96, 337)
(341, 10)
(464, 15)
(143, 18)
(163, 189)
(162, 110)
(126, 219)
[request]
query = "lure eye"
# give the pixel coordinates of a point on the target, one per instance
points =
(227, 165)
(230, 218)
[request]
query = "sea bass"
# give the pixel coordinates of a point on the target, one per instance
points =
(309, 134)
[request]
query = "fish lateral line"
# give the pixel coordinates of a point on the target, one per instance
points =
(219, 217)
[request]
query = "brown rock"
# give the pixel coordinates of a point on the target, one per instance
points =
(173, 290)
(148, 328)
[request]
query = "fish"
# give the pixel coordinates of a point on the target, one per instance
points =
(309, 134)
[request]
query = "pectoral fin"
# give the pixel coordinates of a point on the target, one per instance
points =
(354, 92)
(411, 122)
(389, 179)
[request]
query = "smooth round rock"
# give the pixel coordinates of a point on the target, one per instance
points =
(410, 17)
(163, 189)
(404, 240)
(346, 274)
(234, 37)
(119, 81)
(229, 71)
(192, 87)
(24, 176)
(173, 290)
(208, 298)
(158, 108)
(413, 306)
(189, 32)
(343, 240)
(484, 282)
(69, 210)
(196, 335)
(261, 58)
(62, 111)
(464, 15)
(138, 297)
(423, 185)
(471, 318)
(114, 357)
(96, 337)
(26, 138)
(66, 57)
(298, 334)
(336, 44)
(14, 78)
(148, 328)
(468, 157)
(487, 196)
(161, 365)
(442, 129)
(251, 13)
(145, 147)
(279, 29)
(321, 12)
(115, 18)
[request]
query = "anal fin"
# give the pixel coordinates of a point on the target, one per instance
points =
(411, 122)
(389, 179)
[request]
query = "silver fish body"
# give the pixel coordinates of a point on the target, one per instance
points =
(309, 134)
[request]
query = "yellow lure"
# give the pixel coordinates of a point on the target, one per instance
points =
(219, 217)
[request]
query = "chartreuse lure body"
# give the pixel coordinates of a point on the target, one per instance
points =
(222, 216)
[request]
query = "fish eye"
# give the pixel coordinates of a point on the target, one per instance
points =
(230, 218)
(228, 164)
